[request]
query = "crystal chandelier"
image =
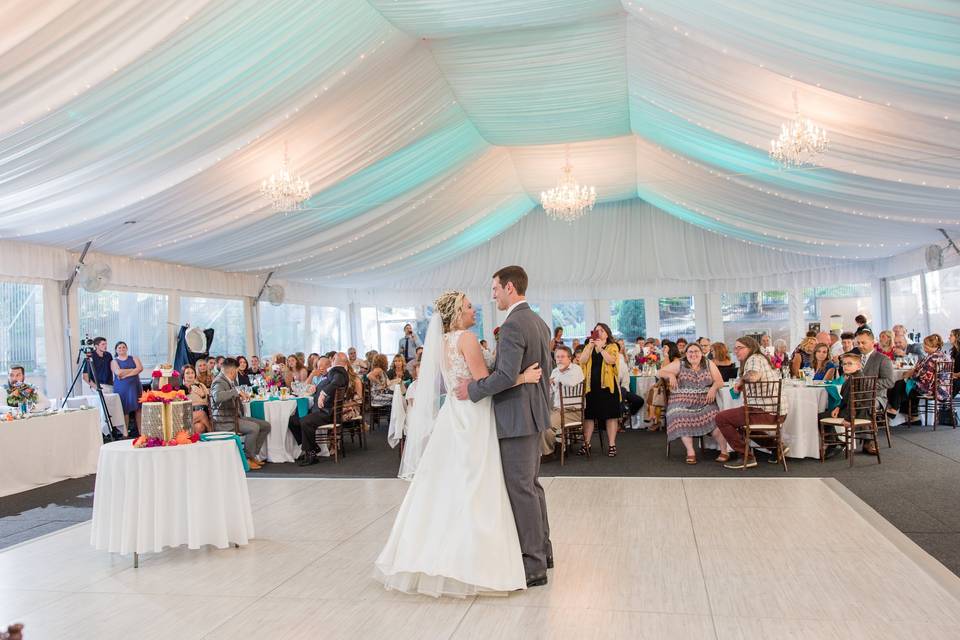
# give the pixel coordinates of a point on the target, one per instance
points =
(285, 191)
(568, 201)
(800, 141)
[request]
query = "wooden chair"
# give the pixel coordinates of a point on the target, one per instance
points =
(571, 399)
(766, 396)
(370, 412)
(883, 421)
(930, 405)
(355, 426)
(331, 435)
(862, 402)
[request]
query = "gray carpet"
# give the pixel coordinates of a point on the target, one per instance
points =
(915, 487)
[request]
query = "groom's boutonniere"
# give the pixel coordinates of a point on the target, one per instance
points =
(496, 333)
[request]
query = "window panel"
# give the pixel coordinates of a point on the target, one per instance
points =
(324, 329)
(282, 328)
(225, 316)
(21, 331)
(943, 299)
(677, 318)
(835, 307)
(906, 303)
(628, 319)
(755, 312)
(570, 316)
(137, 318)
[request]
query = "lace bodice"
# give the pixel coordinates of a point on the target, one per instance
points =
(454, 364)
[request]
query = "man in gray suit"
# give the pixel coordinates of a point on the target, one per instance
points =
(522, 414)
(878, 366)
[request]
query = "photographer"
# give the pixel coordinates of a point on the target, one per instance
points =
(100, 360)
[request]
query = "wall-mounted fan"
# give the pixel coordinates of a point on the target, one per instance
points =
(94, 277)
(275, 294)
(934, 254)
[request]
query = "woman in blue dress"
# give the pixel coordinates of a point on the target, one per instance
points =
(822, 365)
(126, 384)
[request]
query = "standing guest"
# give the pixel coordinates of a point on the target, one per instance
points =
(821, 363)
(408, 343)
(100, 359)
(321, 412)
(557, 339)
(126, 375)
(199, 396)
(924, 378)
(885, 345)
(254, 366)
(955, 354)
(569, 375)
(721, 358)
(754, 367)
(692, 404)
(861, 321)
(601, 363)
(227, 412)
(779, 357)
(243, 371)
(398, 374)
(15, 378)
(802, 356)
(203, 373)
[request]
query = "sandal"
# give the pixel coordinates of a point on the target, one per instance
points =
(584, 450)
(692, 459)
(612, 451)
(723, 457)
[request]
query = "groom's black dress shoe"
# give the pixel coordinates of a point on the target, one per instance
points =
(549, 562)
(537, 581)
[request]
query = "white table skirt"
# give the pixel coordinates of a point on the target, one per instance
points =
(45, 449)
(280, 445)
(114, 406)
(800, 428)
(148, 499)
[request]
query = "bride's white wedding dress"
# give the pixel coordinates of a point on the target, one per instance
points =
(455, 534)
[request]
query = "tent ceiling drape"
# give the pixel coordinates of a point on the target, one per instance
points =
(428, 127)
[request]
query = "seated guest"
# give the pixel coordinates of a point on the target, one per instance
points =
(754, 367)
(352, 358)
(955, 354)
(836, 347)
(704, 343)
(924, 379)
(398, 374)
(861, 321)
(848, 342)
(802, 356)
(219, 366)
(574, 344)
(199, 397)
(822, 365)
(911, 348)
(670, 353)
(417, 358)
(380, 392)
(557, 339)
(566, 373)
(320, 368)
(16, 378)
(243, 372)
(875, 365)
(203, 373)
(885, 344)
(779, 357)
(412, 389)
(852, 368)
(682, 345)
(321, 413)
(312, 360)
(692, 403)
(721, 358)
(633, 402)
(767, 348)
(212, 368)
(254, 368)
(227, 412)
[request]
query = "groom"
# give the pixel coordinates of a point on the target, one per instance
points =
(522, 413)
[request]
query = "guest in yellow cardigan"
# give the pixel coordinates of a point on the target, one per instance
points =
(600, 361)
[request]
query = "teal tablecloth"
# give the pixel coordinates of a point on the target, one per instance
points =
(223, 435)
(256, 407)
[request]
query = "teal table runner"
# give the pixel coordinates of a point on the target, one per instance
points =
(256, 407)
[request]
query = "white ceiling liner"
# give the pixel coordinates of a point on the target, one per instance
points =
(420, 151)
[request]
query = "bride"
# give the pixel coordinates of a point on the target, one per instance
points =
(454, 534)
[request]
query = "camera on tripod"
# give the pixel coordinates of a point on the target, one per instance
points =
(86, 345)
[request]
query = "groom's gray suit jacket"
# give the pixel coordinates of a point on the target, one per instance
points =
(522, 410)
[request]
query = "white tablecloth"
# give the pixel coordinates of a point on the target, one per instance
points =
(44, 449)
(280, 445)
(800, 428)
(644, 384)
(148, 499)
(114, 406)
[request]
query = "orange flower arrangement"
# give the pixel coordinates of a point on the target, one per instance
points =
(166, 394)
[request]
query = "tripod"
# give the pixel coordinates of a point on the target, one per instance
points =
(85, 363)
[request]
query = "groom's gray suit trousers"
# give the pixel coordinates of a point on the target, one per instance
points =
(521, 466)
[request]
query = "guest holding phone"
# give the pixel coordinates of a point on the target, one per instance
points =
(600, 361)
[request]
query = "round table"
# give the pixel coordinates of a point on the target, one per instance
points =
(804, 405)
(149, 499)
(280, 445)
(44, 449)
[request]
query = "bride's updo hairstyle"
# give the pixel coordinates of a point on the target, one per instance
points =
(449, 305)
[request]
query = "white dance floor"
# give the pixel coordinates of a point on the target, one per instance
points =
(636, 558)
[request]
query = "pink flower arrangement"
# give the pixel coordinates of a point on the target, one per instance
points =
(155, 374)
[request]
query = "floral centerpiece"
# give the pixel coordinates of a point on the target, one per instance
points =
(650, 358)
(21, 394)
(181, 438)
